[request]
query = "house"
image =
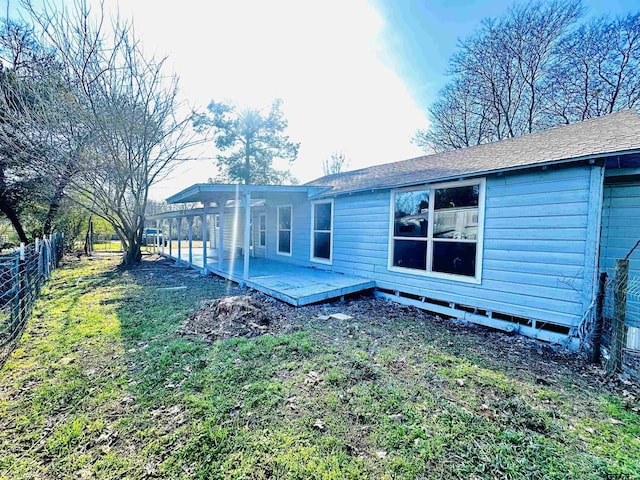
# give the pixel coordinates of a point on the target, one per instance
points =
(510, 234)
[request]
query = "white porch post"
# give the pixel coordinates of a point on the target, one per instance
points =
(171, 237)
(156, 244)
(221, 236)
(179, 238)
(204, 235)
(164, 237)
(247, 233)
(190, 226)
(158, 237)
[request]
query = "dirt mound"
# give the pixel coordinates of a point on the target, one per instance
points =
(236, 316)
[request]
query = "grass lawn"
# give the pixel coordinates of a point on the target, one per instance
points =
(102, 386)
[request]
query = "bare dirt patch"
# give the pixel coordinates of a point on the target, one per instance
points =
(254, 314)
(233, 316)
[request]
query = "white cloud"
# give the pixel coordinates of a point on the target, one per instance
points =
(321, 58)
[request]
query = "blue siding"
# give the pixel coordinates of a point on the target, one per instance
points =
(535, 245)
(620, 232)
(301, 229)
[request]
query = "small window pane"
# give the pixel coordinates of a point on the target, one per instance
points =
(263, 238)
(322, 216)
(411, 213)
(459, 223)
(322, 245)
(457, 197)
(263, 222)
(284, 242)
(410, 254)
(285, 218)
(454, 257)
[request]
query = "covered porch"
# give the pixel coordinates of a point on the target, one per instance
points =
(293, 284)
(229, 237)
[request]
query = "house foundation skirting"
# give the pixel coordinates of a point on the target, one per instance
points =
(544, 331)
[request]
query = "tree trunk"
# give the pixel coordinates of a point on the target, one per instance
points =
(247, 164)
(54, 206)
(11, 214)
(133, 253)
(87, 239)
(9, 210)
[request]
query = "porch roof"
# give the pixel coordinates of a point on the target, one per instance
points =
(211, 192)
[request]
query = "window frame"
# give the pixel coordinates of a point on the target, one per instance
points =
(278, 230)
(326, 261)
(260, 230)
(477, 278)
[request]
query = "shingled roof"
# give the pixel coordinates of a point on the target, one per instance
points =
(611, 134)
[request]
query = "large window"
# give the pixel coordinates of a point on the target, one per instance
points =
(322, 231)
(284, 229)
(436, 230)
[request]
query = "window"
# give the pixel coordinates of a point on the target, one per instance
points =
(322, 231)
(436, 230)
(262, 230)
(284, 229)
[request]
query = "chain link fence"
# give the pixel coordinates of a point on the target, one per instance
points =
(22, 274)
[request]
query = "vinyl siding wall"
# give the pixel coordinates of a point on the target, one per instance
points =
(620, 232)
(301, 230)
(535, 248)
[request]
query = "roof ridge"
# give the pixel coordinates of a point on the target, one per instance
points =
(631, 112)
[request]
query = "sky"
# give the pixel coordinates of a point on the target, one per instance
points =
(355, 76)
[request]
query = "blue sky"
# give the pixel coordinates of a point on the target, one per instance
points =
(419, 37)
(355, 76)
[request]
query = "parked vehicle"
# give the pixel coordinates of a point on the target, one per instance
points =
(150, 237)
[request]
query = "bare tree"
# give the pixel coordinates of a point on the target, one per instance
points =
(462, 118)
(130, 107)
(531, 69)
(597, 70)
(336, 163)
(28, 81)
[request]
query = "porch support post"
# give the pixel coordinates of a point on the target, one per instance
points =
(190, 226)
(157, 242)
(163, 223)
(171, 237)
(164, 236)
(204, 236)
(247, 233)
(179, 238)
(221, 235)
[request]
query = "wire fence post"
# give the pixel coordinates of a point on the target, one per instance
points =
(22, 274)
(618, 328)
(22, 288)
(14, 293)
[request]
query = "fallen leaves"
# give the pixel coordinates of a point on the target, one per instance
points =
(312, 379)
